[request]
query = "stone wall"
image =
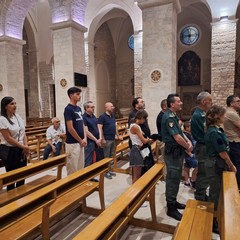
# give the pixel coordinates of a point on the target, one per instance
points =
(104, 54)
(223, 60)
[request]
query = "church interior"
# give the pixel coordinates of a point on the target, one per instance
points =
(116, 50)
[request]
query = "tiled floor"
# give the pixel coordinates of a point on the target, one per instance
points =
(71, 225)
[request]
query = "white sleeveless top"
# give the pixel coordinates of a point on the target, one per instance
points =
(134, 137)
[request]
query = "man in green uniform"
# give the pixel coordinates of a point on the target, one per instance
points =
(175, 145)
(198, 123)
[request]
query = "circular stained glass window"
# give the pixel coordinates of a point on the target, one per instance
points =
(189, 35)
(131, 42)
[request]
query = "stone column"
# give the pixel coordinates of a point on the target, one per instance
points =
(69, 57)
(223, 60)
(11, 71)
(138, 64)
(159, 53)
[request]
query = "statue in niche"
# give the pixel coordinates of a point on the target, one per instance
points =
(189, 69)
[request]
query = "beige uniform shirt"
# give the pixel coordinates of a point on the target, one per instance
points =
(230, 129)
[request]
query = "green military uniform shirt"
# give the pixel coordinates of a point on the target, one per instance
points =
(198, 125)
(170, 127)
(216, 141)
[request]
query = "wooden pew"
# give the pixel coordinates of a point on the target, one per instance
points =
(36, 121)
(26, 172)
(115, 218)
(44, 207)
(121, 149)
(37, 144)
(228, 213)
(196, 222)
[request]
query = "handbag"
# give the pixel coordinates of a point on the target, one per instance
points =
(145, 152)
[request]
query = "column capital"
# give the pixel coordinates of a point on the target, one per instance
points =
(153, 3)
(12, 40)
(230, 21)
(69, 24)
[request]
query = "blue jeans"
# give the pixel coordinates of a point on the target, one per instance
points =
(48, 150)
(89, 150)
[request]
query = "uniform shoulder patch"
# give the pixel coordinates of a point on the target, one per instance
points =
(171, 115)
(171, 124)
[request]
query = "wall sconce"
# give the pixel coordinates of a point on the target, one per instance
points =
(223, 18)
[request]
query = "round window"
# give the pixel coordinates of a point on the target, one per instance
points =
(189, 35)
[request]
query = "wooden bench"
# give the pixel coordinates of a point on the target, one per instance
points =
(44, 207)
(228, 213)
(37, 144)
(115, 218)
(196, 222)
(36, 121)
(121, 149)
(26, 172)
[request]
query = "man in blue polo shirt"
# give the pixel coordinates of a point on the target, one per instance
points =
(108, 130)
(76, 138)
(93, 140)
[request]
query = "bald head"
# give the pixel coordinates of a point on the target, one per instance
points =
(109, 107)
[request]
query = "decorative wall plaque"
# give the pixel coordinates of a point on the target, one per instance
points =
(155, 76)
(63, 82)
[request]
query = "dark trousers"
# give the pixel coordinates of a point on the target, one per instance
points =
(14, 160)
(203, 178)
(235, 157)
(173, 178)
(88, 152)
(48, 150)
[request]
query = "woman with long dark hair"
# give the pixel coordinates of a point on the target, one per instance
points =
(14, 147)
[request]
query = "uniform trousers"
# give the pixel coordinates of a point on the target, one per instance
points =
(204, 172)
(174, 174)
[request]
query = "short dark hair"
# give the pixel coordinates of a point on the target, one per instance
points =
(163, 102)
(73, 90)
(230, 99)
(135, 102)
(171, 99)
(4, 102)
(186, 124)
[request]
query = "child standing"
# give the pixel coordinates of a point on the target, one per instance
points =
(190, 160)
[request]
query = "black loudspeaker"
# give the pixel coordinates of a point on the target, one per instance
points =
(80, 80)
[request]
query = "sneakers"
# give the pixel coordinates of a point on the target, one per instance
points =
(112, 173)
(108, 175)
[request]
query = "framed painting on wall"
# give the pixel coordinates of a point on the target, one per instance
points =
(189, 69)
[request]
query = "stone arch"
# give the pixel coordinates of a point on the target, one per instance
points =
(13, 13)
(108, 12)
(93, 24)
